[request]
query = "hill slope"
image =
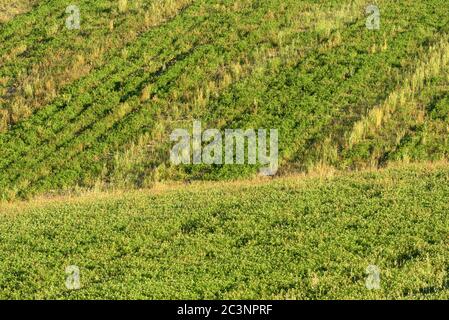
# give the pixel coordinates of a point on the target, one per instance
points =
(96, 106)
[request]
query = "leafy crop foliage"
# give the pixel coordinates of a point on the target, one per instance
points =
(90, 110)
(291, 238)
(95, 106)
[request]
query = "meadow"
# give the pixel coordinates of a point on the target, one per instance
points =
(85, 120)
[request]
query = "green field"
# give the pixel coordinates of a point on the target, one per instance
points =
(86, 116)
(290, 238)
(95, 106)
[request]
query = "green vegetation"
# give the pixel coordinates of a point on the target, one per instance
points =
(40, 55)
(291, 238)
(135, 71)
(91, 110)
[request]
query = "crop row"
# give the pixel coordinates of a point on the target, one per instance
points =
(314, 103)
(232, 103)
(97, 93)
(309, 103)
(411, 122)
(32, 29)
(220, 22)
(33, 78)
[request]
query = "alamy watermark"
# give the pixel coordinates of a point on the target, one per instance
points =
(72, 282)
(207, 147)
(373, 20)
(372, 281)
(73, 21)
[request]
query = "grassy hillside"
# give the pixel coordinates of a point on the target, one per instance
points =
(96, 106)
(287, 238)
(90, 110)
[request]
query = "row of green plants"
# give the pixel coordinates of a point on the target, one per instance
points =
(35, 67)
(33, 161)
(327, 80)
(86, 109)
(315, 103)
(147, 159)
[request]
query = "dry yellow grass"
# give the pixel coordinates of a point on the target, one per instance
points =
(298, 179)
(403, 98)
(9, 9)
(122, 5)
